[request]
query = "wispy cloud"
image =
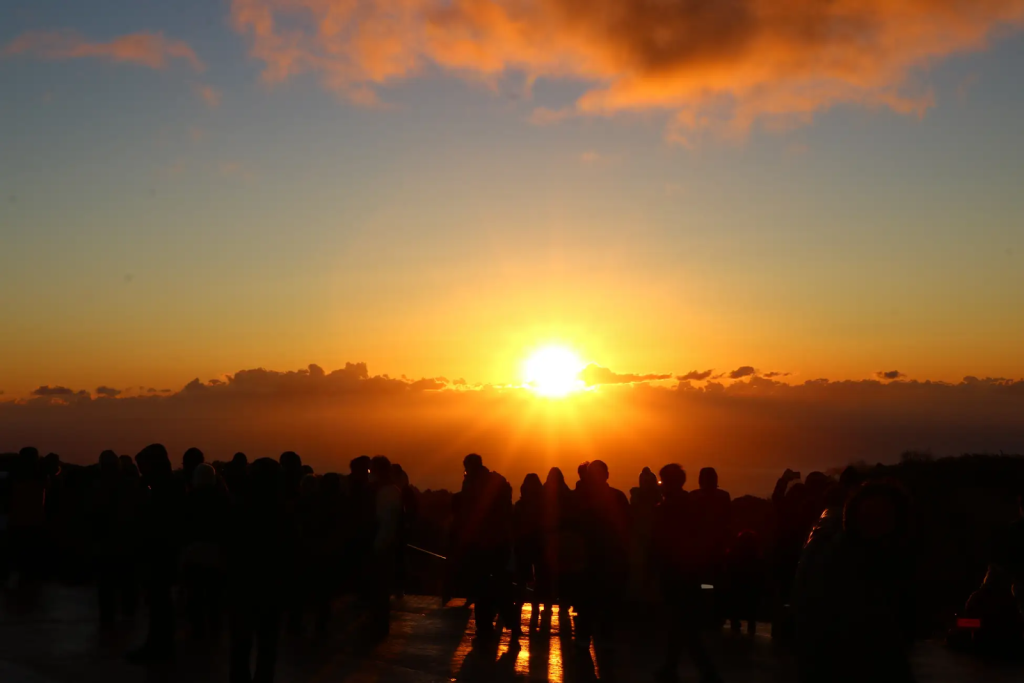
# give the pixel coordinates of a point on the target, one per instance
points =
(709, 65)
(145, 49)
(695, 376)
(208, 94)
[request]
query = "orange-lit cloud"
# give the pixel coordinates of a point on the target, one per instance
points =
(708, 63)
(209, 94)
(145, 49)
(751, 429)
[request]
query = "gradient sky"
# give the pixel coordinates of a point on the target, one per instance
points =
(433, 190)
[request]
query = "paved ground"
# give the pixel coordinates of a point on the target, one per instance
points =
(51, 636)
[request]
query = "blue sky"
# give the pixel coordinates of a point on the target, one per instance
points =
(148, 236)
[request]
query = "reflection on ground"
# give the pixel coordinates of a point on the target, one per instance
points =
(50, 635)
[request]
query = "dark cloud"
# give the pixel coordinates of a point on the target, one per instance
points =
(428, 384)
(695, 376)
(150, 390)
(742, 371)
(889, 374)
(47, 390)
(707, 63)
(775, 373)
(594, 374)
(108, 392)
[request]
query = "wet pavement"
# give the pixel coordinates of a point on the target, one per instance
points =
(52, 635)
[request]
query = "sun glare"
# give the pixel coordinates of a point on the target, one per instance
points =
(553, 371)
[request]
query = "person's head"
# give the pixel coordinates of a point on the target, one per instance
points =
(265, 488)
(193, 458)
(51, 464)
(240, 460)
(648, 480)
(531, 486)
(850, 478)
(797, 493)
(708, 478)
(109, 462)
(817, 482)
(306, 469)
(598, 472)
(380, 469)
(290, 462)
(581, 470)
(30, 453)
(878, 512)
(673, 478)
(399, 476)
(153, 462)
(555, 478)
(472, 464)
(359, 469)
(204, 476)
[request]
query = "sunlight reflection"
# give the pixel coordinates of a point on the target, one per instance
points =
(555, 671)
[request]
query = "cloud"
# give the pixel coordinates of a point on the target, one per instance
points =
(742, 371)
(594, 374)
(145, 49)
(889, 374)
(750, 430)
(695, 376)
(208, 94)
(774, 373)
(47, 390)
(705, 63)
(107, 391)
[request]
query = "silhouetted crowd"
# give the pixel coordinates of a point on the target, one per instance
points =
(269, 545)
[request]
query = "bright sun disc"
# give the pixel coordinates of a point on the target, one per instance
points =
(553, 371)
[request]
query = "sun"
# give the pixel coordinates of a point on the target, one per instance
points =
(553, 371)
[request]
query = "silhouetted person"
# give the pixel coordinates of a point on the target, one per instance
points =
(113, 564)
(207, 518)
(235, 474)
(405, 527)
(482, 533)
(581, 474)
(383, 558)
(528, 516)
(160, 528)
(744, 580)
(291, 472)
(27, 519)
(606, 531)
(788, 499)
(261, 551)
(563, 548)
(361, 520)
(192, 458)
(1013, 553)
(679, 566)
(643, 499)
(994, 605)
(855, 610)
(711, 507)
